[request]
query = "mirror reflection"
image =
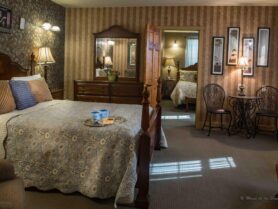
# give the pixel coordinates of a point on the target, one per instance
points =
(116, 55)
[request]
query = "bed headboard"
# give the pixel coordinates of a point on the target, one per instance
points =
(9, 69)
(189, 68)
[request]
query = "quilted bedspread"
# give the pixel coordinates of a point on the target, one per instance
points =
(52, 148)
(183, 89)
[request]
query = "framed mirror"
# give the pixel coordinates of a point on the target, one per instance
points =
(117, 51)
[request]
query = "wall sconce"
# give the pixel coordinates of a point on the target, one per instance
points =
(175, 45)
(48, 26)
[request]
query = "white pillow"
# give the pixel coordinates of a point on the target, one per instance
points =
(27, 78)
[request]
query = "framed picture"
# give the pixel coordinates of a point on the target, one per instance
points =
(233, 45)
(5, 19)
(131, 54)
(263, 47)
(248, 50)
(217, 63)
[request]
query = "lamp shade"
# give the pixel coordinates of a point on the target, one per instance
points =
(108, 61)
(45, 56)
(170, 62)
(243, 62)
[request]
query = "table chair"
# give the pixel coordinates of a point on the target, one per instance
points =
(214, 96)
(267, 106)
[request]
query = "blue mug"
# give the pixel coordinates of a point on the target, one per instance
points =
(96, 116)
(104, 113)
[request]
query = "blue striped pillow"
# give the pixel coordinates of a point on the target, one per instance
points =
(22, 94)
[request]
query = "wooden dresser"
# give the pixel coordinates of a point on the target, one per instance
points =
(109, 92)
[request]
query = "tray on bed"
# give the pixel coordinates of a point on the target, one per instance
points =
(106, 122)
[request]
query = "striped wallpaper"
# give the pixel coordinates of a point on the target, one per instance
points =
(212, 21)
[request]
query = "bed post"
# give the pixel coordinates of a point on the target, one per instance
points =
(178, 71)
(32, 64)
(277, 177)
(142, 200)
(158, 118)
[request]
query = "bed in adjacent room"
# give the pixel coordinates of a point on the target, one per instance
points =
(51, 148)
(185, 91)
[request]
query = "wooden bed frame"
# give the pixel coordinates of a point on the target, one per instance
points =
(188, 100)
(150, 123)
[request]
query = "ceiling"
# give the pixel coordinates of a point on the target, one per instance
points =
(132, 3)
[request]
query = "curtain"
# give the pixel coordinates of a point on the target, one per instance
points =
(191, 51)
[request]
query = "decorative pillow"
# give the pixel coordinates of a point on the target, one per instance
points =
(190, 76)
(22, 94)
(40, 90)
(27, 78)
(7, 103)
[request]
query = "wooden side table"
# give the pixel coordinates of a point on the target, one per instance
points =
(57, 93)
(167, 88)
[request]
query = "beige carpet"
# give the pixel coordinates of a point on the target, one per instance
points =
(196, 172)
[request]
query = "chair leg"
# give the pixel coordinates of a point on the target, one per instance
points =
(221, 121)
(230, 123)
(257, 121)
(205, 120)
(209, 124)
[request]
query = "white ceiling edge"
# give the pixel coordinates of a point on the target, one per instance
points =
(141, 3)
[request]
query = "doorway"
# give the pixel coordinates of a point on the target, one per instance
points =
(179, 74)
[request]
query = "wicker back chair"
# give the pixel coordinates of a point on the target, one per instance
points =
(214, 96)
(267, 105)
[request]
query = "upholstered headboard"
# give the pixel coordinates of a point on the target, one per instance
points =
(189, 68)
(9, 69)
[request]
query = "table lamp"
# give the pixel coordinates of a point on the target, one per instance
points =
(242, 63)
(169, 62)
(45, 58)
(107, 61)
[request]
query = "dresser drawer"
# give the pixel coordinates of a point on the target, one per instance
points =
(92, 89)
(126, 100)
(104, 91)
(127, 90)
(88, 98)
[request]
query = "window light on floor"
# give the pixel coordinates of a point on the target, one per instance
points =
(175, 117)
(177, 170)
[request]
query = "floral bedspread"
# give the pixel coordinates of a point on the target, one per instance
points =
(51, 148)
(183, 89)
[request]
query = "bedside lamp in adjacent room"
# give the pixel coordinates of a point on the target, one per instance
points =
(45, 58)
(170, 62)
(242, 63)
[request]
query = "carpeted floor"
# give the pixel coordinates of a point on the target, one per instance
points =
(196, 171)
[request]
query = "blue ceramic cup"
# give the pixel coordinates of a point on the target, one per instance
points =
(104, 113)
(96, 116)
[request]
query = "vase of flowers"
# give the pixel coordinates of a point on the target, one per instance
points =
(112, 75)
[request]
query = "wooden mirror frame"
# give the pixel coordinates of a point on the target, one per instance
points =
(117, 31)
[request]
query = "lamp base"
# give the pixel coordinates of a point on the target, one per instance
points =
(241, 91)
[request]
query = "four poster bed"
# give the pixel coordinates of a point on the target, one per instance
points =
(52, 149)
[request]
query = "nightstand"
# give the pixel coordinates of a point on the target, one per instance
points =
(167, 88)
(57, 93)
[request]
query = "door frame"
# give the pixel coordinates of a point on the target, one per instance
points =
(198, 122)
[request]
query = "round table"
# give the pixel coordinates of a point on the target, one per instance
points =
(243, 113)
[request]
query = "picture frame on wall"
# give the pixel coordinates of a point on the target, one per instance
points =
(217, 63)
(248, 50)
(263, 37)
(5, 19)
(131, 54)
(233, 45)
